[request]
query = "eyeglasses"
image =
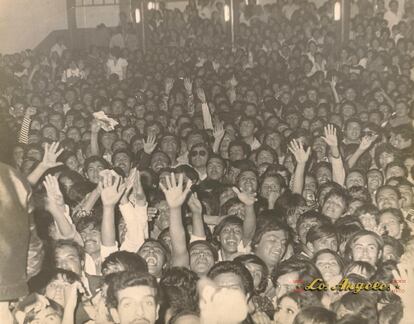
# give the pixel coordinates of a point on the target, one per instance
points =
(195, 153)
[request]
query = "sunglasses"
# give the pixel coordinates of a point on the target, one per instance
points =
(195, 153)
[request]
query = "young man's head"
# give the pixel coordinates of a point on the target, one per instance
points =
(133, 297)
(388, 197)
(156, 256)
(69, 255)
(335, 204)
(365, 246)
(322, 237)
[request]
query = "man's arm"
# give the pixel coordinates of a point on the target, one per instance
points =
(249, 223)
(338, 169)
(48, 162)
(301, 156)
(175, 194)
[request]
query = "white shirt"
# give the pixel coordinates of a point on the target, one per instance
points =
(58, 49)
(115, 67)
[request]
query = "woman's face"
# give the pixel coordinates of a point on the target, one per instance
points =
(286, 311)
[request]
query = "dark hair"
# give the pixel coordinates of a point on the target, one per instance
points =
(268, 224)
(362, 304)
(126, 279)
(62, 243)
(206, 244)
(128, 260)
(235, 268)
(252, 258)
(315, 315)
(89, 221)
(321, 231)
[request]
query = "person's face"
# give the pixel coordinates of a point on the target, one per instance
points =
(354, 179)
(198, 157)
(387, 198)
(286, 283)
(323, 175)
(272, 247)
(329, 242)
(238, 210)
(334, 207)
(122, 161)
(309, 113)
(247, 128)
(57, 121)
(366, 249)
(72, 163)
(391, 224)
(50, 133)
(353, 131)
(91, 239)
(215, 169)
(395, 171)
(274, 141)
(292, 120)
(169, 145)
(319, 146)
(201, 259)
(256, 271)
(248, 182)
(286, 311)
(107, 140)
(154, 256)
(136, 305)
(271, 185)
(92, 173)
(34, 154)
(236, 153)
(401, 109)
(389, 253)
(74, 134)
(374, 180)
(46, 316)
(328, 266)
(162, 220)
(368, 221)
(385, 158)
(229, 280)
(230, 237)
(265, 157)
(193, 140)
(67, 258)
(304, 228)
(55, 291)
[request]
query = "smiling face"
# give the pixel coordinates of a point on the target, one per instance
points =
(328, 266)
(286, 311)
(366, 249)
(387, 198)
(230, 237)
(272, 247)
(391, 224)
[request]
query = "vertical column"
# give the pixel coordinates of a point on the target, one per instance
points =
(71, 18)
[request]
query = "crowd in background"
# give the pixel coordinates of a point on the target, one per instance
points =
(223, 179)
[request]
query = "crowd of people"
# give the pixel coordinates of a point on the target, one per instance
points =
(201, 182)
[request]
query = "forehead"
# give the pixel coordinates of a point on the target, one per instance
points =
(387, 192)
(136, 293)
(366, 239)
(95, 164)
(274, 234)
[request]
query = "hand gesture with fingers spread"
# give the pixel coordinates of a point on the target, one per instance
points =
(218, 131)
(195, 204)
(50, 156)
(54, 195)
(246, 198)
(150, 144)
(330, 137)
(296, 148)
(112, 189)
(169, 83)
(175, 193)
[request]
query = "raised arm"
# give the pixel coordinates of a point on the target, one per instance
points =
(301, 156)
(188, 85)
(365, 144)
(55, 205)
(112, 190)
(208, 124)
(49, 161)
(95, 127)
(338, 169)
(218, 133)
(249, 223)
(175, 194)
(196, 216)
(332, 83)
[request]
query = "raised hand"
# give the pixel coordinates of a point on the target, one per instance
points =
(150, 144)
(54, 195)
(333, 81)
(246, 198)
(112, 189)
(71, 294)
(129, 183)
(169, 83)
(175, 193)
(201, 95)
(296, 148)
(188, 85)
(195, 204)
(50, 156)
(367, 141)
(31, 111)
(330, 137)
(218, 131)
